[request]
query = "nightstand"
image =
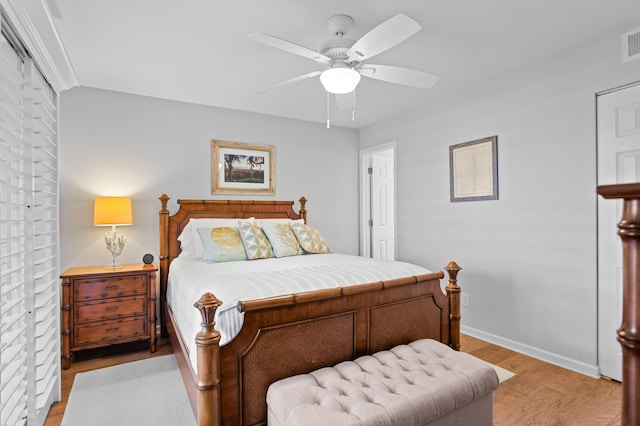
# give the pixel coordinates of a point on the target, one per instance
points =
(104, 306)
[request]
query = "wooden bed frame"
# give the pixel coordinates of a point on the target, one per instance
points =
(296, 333)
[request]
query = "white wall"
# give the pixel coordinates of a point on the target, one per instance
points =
(119, 144)
(529, 258)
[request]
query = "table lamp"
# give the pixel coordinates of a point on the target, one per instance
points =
(113, 211)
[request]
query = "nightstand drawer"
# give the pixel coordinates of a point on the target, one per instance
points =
(98, 288)
(110, 308)
(110, 331)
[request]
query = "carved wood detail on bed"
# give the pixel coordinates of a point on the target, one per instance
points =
(298, 333)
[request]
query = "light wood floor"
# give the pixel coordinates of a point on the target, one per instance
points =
(543, 394)
(539, 394)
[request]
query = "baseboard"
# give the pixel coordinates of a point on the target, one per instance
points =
(551, 358)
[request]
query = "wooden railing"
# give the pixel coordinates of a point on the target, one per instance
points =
(629, 331)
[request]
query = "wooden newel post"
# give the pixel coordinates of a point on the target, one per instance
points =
(208, 359)
(453, 291)
(629, 331)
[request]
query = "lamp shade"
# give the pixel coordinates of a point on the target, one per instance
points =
(340, 80)
(109, 211)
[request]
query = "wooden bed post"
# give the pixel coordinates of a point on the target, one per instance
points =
(208, 363)
(163, 258)
(453, 291)
(629, 331)
(303, 210)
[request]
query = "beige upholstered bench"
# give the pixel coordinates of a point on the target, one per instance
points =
(422, 383)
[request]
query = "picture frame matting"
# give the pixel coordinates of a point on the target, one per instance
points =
(473, 168)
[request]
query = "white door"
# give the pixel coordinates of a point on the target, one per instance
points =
(618, 162)
(382, 206)
(377, 202)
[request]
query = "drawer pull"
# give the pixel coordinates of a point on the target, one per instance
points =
(111, 330)
(111, 287)
(112, 309)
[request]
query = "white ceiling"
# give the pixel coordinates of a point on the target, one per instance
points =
(197, 51)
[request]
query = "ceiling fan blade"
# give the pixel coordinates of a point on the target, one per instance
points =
(290, 47)
(399, 75)
(292, 80)
(386, 35)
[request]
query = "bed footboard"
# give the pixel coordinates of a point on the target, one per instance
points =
(298, 333)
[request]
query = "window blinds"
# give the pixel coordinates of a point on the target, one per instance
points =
(29, 302)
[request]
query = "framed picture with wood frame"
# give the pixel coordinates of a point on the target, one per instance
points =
(240, 168)
(473, 169)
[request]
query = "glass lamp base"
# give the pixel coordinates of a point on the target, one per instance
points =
(112, 266)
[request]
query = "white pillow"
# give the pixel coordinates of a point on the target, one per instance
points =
(278, 220)
(189, 239)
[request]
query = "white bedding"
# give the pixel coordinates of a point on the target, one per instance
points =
(232, 282)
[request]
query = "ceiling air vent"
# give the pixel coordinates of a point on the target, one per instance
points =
(631, 45)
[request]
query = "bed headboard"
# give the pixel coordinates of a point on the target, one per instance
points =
(171, 226)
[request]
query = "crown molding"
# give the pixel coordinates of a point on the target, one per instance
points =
(32, 21)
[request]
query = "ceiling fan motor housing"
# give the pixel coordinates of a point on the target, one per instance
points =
(337, 47)
(339, 25)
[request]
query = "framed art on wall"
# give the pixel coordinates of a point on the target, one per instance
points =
(240, 168)
(473, 169)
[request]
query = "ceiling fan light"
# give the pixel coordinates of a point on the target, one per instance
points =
(340, 80)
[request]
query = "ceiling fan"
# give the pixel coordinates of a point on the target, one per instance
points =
(345, 59)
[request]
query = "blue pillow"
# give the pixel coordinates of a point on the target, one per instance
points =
(222, 244)
(282, 239)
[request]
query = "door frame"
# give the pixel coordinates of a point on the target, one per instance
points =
(600, 309)
(365, 194)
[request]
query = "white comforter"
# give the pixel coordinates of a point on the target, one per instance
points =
(232, 282)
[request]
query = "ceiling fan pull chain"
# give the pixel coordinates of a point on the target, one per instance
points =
(353, 110)
(328, 119)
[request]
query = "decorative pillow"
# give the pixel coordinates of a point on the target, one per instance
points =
(222, 244)
(190, 241)
(282, 239)
(255, 242)
(310, 238)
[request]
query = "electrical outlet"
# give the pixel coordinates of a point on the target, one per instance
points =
(465, 300)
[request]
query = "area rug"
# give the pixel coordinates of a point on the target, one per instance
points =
(503, 375)
(147, 392)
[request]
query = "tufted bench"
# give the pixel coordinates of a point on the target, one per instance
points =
(422, 383)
